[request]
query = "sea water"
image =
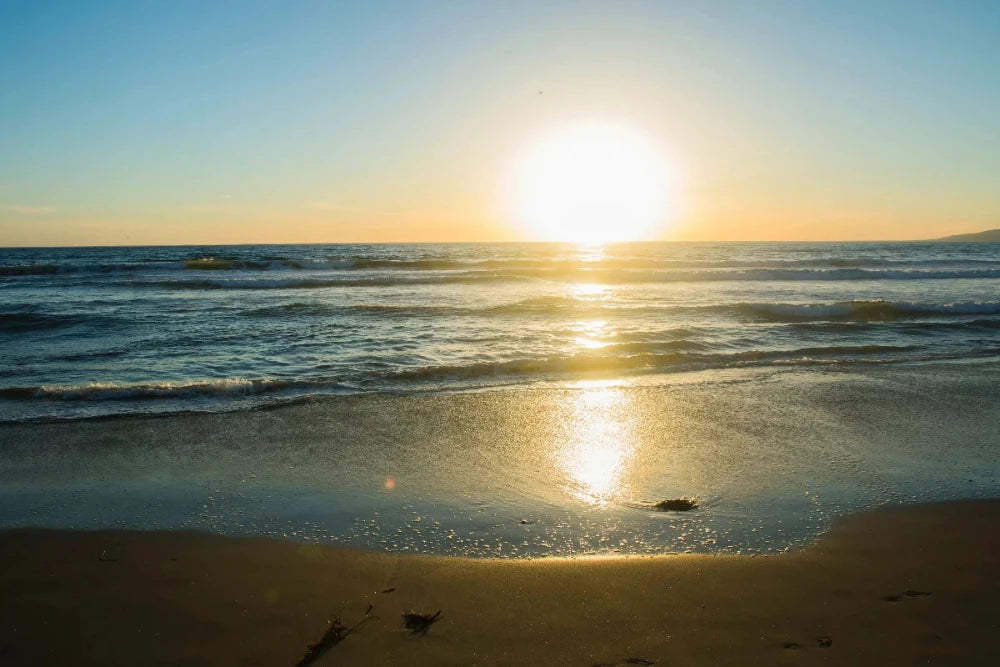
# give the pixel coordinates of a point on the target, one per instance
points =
(109, 331)
(499, 400)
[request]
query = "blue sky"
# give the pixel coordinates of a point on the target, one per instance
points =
(264, 121)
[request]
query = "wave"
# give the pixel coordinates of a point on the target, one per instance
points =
(873, 310)
(622, 357)
(779, 275)
(537, 266)
(600, 277)
(626, 263)
(264, 264)
(859, 311)
(20, 322)
(55, 269)
(28, 269)
(539, 304)
(307, 309)
(645, 361)
(543, 305)
(916, 327)
(194, 264)
(309, 283)
(871, 274)
(876, 310)
(112, 391)
(294, 310)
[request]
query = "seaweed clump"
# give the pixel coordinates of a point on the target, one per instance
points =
(336, 633)
(676, 505)
(419, 624)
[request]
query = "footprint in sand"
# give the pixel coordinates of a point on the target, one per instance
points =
(910, 593)
(821, 642)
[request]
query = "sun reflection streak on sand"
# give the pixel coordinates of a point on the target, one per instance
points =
(600, 444)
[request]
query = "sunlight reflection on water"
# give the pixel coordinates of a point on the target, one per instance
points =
(600, 445)
(591, 334)
(595, 290)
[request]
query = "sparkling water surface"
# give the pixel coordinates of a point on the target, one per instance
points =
(502, 400)
(88, 331)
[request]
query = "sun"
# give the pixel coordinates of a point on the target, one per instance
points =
(591, 183)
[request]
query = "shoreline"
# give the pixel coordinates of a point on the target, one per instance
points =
(560, 470)
(903, 584)
(633, 379)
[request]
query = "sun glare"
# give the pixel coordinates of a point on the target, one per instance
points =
(599, 454)
(591, 183)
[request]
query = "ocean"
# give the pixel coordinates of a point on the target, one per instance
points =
(110, 331)
(498, 400)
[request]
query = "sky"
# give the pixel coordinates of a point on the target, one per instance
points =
(293, 122)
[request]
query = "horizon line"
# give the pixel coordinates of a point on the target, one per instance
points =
(570, 243)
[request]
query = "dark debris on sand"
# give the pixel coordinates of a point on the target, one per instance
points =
(336, 633)
(419, 624)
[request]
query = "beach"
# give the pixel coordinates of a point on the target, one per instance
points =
(899, 586)
(526, 518)
(672, 454)
(600, 334)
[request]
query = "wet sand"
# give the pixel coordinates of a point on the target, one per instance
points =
(899, 586)
(772, 455)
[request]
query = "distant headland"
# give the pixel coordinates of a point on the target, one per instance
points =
(989, 236)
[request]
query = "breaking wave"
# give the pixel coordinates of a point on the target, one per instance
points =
(642, 361)
(628, 357)
(110, 391)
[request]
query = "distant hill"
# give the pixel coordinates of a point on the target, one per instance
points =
(989, 236)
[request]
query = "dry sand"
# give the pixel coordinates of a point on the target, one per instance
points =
(900, 586)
